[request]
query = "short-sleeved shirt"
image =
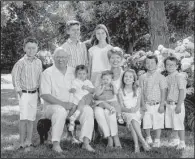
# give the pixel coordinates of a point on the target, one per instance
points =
(78, 53)
(80, 93)
(175, 82)
(55, 83)
(100, 61)
(151, 85)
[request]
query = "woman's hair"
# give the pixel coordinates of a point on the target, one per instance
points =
(94, 40)
(134, 83)
(115, 51)
(80, 68)
(107, 72)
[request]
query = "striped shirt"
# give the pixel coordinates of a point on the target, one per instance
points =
(151, 85)
(78, 53)
(175, 81)
(26, 74)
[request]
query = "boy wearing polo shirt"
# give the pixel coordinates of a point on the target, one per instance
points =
(175, 110)
(26, 80)
(76, 48)
(153, 86)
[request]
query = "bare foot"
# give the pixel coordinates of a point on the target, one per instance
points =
(57, 149)
(88, 148)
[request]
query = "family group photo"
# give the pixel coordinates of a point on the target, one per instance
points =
(97, 79)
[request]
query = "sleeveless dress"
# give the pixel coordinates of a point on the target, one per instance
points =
(130, 102)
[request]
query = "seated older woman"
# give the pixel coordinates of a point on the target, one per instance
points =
(106, 121)
(54, 89)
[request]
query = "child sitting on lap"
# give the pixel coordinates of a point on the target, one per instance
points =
(108, 90)
(82, 90)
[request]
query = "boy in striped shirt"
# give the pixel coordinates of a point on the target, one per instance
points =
(26, 80)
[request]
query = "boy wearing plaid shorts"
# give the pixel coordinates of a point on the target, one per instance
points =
(175, 110)
(153, 86)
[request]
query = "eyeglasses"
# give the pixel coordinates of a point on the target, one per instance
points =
(170, 65)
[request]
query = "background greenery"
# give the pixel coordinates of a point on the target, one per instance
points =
(127, 21)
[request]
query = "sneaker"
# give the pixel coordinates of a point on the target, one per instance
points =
(149, 140)
(181, 146)
(156, 144)
(174, 142)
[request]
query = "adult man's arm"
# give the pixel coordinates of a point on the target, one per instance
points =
(45, 91)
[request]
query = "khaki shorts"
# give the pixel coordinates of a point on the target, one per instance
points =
(173, 120)
(152, 118)
(28, 106)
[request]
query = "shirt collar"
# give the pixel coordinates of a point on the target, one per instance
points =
(29, 59)
(173, 74)
(70, 41)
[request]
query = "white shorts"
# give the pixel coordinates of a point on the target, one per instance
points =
(152, 118)
(173, 120)
(28, 106)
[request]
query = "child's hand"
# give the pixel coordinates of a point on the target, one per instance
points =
(161, 109)
(72, 90)
(143, 108)
(85, 87)
(178, 109)
(112, 110)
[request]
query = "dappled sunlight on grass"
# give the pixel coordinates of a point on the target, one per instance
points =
(10, 110)
(10, 139)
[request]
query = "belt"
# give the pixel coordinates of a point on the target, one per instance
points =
(152, 103)
(25, 91)
(171, 103)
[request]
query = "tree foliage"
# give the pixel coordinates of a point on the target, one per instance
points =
(127, 22)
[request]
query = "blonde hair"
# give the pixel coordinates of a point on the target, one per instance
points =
(115, 51)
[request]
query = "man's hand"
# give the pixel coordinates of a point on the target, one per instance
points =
(72, 90)
(178, 109)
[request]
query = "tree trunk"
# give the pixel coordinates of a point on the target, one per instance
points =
(158, 24)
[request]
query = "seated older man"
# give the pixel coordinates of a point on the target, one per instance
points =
(54, 89)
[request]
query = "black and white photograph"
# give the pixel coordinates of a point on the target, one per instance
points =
(97, 79)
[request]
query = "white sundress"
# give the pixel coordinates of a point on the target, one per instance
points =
(130, 102)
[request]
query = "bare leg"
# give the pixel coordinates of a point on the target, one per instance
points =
(117, 141)
(29, 132)
(137, 129)
(147, 132)
(158, 133)
(181, 135)
(110, 142)
(135, 138)
(22, 130)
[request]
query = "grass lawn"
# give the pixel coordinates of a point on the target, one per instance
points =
(10, 137)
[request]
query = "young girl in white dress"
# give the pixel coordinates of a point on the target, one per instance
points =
(129, 98)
